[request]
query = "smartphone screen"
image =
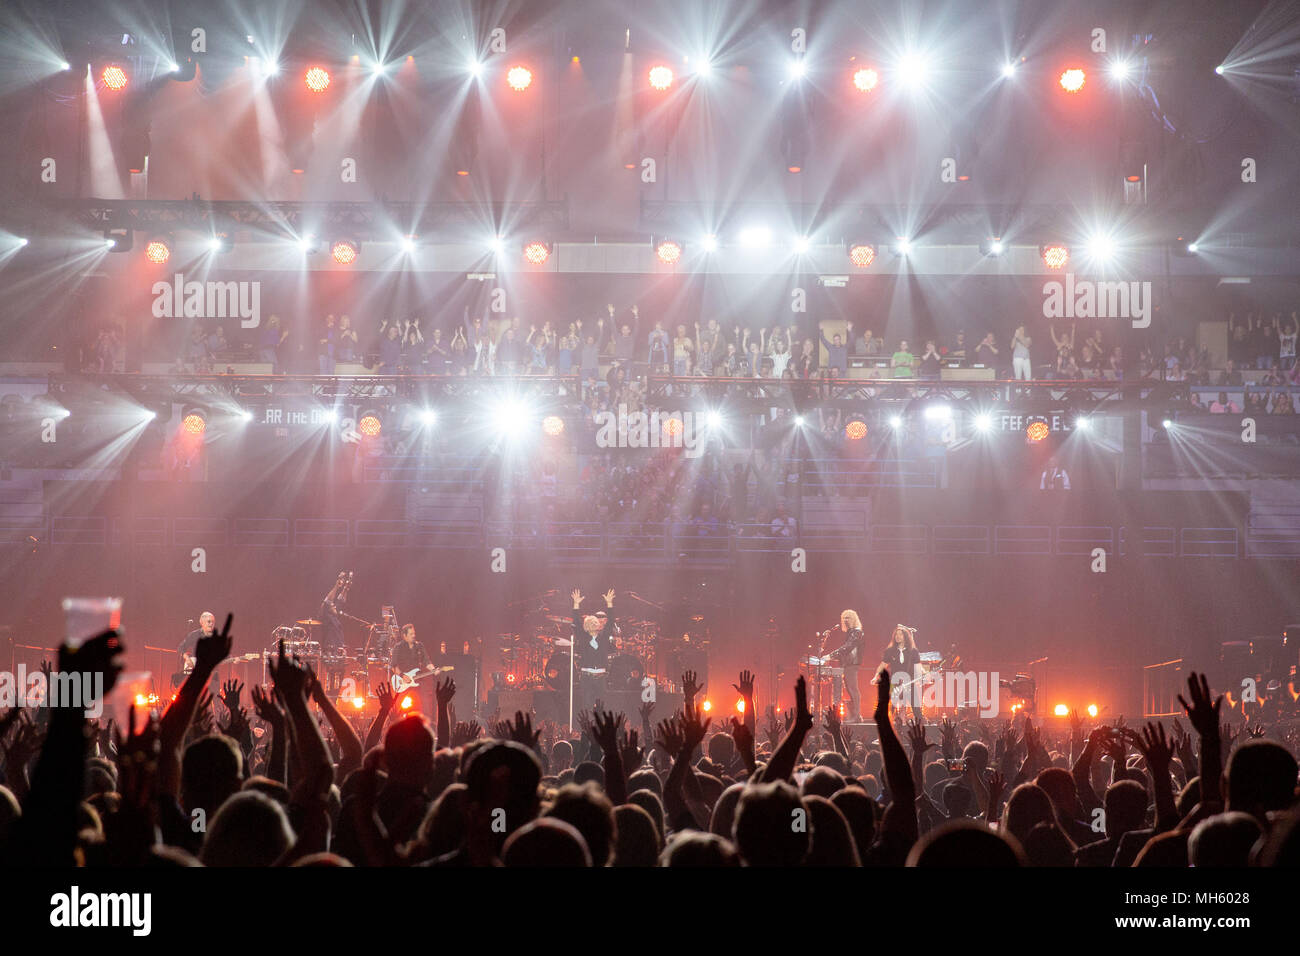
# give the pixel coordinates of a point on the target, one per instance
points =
(85, 617)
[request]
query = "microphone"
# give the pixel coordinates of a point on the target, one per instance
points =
(190, 624)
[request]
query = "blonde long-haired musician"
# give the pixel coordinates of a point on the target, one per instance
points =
(852, 654)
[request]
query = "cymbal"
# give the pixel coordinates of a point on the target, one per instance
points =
(309, 623)
(557, 618)
(563, 642)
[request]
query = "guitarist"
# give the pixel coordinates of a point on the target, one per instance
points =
(186, 650)
(408, 654)
(851, 652)
(902, 659)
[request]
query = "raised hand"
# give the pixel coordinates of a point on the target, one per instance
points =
(773, 728)
(832, 719)
(1255, 732)
(521, 730)
(265, 707)
(631, 755)
(1202, 712)
(646, 710)
(291, 677)
(671, 737)
(802, 715)
(742, 735)
(916, 736)
(746, 686)
(694, 730)
(384, 694)
(1155, 748)
(882, 696)
(604, 730)
(236, 724)
(997, 784)
(689, 687)
(577, 599)
(444, 691)
(948, 737)
(99, 655)
(609, 597)
(203, 714)
(211, 651)
(230, 691)
(464, 733)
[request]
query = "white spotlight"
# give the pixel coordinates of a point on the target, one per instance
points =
(23, 241)
(149, 414)
(497, 245)
(912, 69)
(428, 417)
(331, 416)
(903, 247)
(1167, 423)
(306, 243)
(1219, 69)
(110, 243)
(1101, 247)
(407, 244)
(1082, 423)
(713, 419)
(801, 244)
(798, 420)
(173, 67)
(1008, 70)
(65, 65)
(710, 243)
(798, 69)
(895, 422)
(1192, 247)
(1120, 69)
(475, 68)
(246, 415)
(378, 68)
(510, 417)
(983, 422)
(704, 69)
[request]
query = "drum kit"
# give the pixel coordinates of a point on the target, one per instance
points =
(541, 658)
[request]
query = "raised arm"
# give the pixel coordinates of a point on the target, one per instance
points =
(900, 818)
(786, 755)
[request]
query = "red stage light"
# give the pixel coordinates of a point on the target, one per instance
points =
(157, 252)
(795, 169)
(344, 252)
(862, 255)
(1072, 80)
(1055, 256)
(669, 252)
(370, 426)
(673, 426)
(1037, 431)
(536, 253)
(462, 172)
(194, 424)
(661, 77)
(855, 430)
(407, 702)
(114, 77)
(317, 79)
(865, 80)
(553, 425)
(519, 78)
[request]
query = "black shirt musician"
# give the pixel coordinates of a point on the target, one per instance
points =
(331, 613)
(409, 654)
(593, 638)
(851, 652)
(902, 659)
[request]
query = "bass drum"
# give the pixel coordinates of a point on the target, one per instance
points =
(556, 671)
(626, 671)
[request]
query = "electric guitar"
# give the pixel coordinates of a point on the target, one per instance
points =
(405, 681)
